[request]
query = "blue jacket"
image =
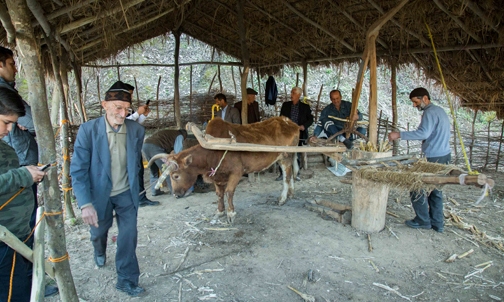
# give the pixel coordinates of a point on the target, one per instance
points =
(23, 141)
(90, 166)
(433, 131)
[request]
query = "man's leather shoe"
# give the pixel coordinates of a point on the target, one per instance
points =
(50, 290)
(129, 288)
(438, 229)
(413, 224)
(279, 178)
(100, 260)
(147, 202)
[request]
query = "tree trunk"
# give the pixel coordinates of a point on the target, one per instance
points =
(29, 51)
(78, 80)
(246, 60)
(55, 105)
(176, 76)
(393, 82)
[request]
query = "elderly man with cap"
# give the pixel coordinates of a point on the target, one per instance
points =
(104, 170)
(253, 115)
(434, 132)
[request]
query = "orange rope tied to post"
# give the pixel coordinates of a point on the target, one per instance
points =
(59, 259)
(59, 128)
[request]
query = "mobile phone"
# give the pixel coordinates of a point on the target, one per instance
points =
(45, 167)
(147, 103)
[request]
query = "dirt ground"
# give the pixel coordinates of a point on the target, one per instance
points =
(184, 257)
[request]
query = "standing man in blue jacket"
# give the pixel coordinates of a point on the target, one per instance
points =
(434, 132)
(104, 169)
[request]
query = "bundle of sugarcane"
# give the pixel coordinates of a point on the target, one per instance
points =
(370, 147)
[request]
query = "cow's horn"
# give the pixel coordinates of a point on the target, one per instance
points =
(156, 157)
(170, 167)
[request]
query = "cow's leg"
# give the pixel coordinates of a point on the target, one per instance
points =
(230, 189)
(219, 191)
(295, 170)
(288, 181)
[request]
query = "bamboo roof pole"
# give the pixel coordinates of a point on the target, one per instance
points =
(305, 78)
(245, 58)
(368, 54)
(393, 82)
(176, 79)
(7, 24)
(29, 50)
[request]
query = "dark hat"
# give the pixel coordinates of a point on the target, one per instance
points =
(121, 84)
(251, 91)
(119, 91)
(419, 92)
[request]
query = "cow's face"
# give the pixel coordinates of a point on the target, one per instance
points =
(183, 177)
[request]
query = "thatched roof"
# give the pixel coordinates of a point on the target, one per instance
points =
(467, 34)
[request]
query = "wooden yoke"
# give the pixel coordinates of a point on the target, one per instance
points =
(368, 55)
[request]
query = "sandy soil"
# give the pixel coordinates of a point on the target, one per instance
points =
(270, 248)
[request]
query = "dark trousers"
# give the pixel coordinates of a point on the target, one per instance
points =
(35, 206)
(126, 217)
(429, 207)
(21, 283)
(141, 179)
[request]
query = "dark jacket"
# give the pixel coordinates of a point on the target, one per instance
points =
(271, 91)
(252, 112)
(305, 118)
(23, 141)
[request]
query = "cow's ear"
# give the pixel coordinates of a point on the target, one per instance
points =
(187, 160)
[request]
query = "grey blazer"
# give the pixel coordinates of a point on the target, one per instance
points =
(232, 115)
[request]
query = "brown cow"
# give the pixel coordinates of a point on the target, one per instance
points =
(185, 166)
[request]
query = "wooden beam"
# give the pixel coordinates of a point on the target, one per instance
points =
(393, 53)
(137, 25)
(410, 32)
(278, 21)
(67, 10)
(483, 15)
(84, 21)
(458, 21)
(242, 31)
(357, 23)
(316, 25)
(164, 65)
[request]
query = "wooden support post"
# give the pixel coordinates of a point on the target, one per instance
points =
(99, 94)
(38, 284)
(393, 82)
(297, 79)
(407, 142)
(66, 89)
(455, 162)
(305, 77)
(190, 92)
(55, 104)
(373, 93)
(137, 94)
(176, 79)
(317, 109)
(488, 145)
(211, 83)
(378, 129)
(499, 150)
(78, 81)
(471, 146)
(157, 98)
(245, 59)
(118, 73)
(259, 87)
(369, 204)
(234, 81)
(219, 77)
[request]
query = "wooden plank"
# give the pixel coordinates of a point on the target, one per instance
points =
(227, 144)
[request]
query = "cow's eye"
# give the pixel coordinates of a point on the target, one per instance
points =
(176, 177)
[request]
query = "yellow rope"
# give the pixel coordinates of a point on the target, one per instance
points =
(468, 165)
(60, 259)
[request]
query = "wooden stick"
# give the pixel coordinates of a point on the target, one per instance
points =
(37, 292)
(465, 254)
(304, 296)
(499, 150)
(157, 98)
(8, 238)
(317, 109)
(324, 211)
(334, 206)
(392, 214)
(183, 258)
(374, 266)
(370, 246)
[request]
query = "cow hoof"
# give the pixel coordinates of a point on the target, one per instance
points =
(281, 201)
(231, 217)
(218, 214)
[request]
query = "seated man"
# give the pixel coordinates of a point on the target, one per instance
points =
(163, 141)
(330, 125)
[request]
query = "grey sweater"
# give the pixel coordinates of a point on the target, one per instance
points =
(433, 131)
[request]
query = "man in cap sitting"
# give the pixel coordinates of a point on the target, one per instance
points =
(104, 170)
(253, 115)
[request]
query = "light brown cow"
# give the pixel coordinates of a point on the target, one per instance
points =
(185, 166)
